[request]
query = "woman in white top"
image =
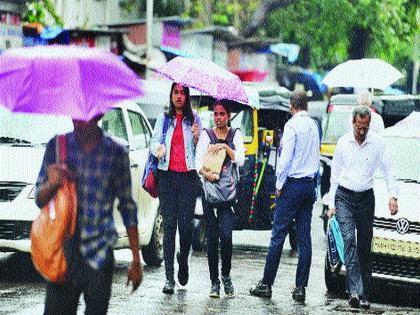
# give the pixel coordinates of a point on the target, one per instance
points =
(219, 217)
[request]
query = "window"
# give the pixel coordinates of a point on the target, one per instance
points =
(141, 132)
(113, 124)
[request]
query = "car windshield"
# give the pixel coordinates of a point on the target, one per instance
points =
(30, 129)
(405, 154)
(336, 124)
(240, 119)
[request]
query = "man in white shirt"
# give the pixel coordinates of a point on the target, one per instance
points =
(377, 125)
(357, 156)
(298, 164)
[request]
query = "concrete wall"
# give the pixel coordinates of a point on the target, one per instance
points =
(198, 45)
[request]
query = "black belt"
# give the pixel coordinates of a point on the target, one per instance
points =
(358, 193)
(303, 179)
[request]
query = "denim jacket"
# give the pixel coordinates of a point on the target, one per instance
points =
(188, 141)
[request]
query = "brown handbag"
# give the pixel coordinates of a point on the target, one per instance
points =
(55, 223)
(213, 161)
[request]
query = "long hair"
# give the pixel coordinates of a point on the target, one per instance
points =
(186, 110)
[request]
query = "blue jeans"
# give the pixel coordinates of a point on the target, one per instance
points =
(219, 226)
(355, 211)
(177, 197)
(296, 202)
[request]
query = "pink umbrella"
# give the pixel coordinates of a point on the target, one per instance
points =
(64, 80)
(205, 76)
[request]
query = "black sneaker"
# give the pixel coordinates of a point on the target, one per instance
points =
(364, 303)
(261, 290)
(183, 270)
(298, 294)
(354, 301)
(169, 287)
(228, 286)
(215, 290)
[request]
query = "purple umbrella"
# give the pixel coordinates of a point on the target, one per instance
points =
(64, 80)
(205, 76)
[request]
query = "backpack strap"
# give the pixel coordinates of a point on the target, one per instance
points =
(61, 148)
(231, 135)
(211, 134)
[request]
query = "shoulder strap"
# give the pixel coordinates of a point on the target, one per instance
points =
(61, 148)
(211, 134)
(231, 135)
(165, 127)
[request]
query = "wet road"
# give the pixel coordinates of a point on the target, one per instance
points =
(22, 291)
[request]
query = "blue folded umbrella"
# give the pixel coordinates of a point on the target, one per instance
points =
(333, 256)
(334, 230)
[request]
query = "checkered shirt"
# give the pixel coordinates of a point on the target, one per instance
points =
(102, 175)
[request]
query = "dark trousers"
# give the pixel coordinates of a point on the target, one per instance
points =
(94, 284)
(177, 197)
(219, 224)
(296, 202)
(355, 211)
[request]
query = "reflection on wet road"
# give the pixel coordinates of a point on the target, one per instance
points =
(22, 291)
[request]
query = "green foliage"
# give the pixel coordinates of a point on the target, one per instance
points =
(42, 12)
(224, 12)
(168, 7)
(326, 27)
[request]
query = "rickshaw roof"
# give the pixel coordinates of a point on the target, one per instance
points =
(261, 96)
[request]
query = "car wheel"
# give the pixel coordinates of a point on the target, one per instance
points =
(199, 235)
(153, 253)
(335, 283)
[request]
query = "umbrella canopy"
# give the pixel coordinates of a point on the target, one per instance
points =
(206, 77)
(363, 73)
(64, 80)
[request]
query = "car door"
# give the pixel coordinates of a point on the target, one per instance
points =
(139, 144)
(115, 124)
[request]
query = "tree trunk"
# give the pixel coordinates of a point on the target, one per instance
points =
(261, 14)
(359, 42)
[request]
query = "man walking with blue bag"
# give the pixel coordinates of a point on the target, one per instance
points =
(358, 155)
(298, 165)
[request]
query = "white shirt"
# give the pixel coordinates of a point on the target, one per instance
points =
(204, 141)
(376, 124)
(300, 152)
(354, 165)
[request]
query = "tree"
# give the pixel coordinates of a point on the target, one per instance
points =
(260, 16)
(338, 30)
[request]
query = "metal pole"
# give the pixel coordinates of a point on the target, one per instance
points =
(416, 55)
(416, 64)
(149, 26)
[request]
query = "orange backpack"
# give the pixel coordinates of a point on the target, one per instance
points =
(55, 223)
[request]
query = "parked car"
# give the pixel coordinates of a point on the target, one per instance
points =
(392, 108)
(23, 139)
(396, 239)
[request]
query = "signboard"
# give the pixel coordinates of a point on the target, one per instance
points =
(11, 34)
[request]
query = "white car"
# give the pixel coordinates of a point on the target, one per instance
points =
(396, 239)
(23, 139)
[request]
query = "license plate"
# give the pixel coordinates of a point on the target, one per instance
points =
(396, 247)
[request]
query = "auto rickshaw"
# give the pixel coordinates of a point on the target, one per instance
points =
(261, 122)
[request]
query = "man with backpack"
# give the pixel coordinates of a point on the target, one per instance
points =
(295, 192)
